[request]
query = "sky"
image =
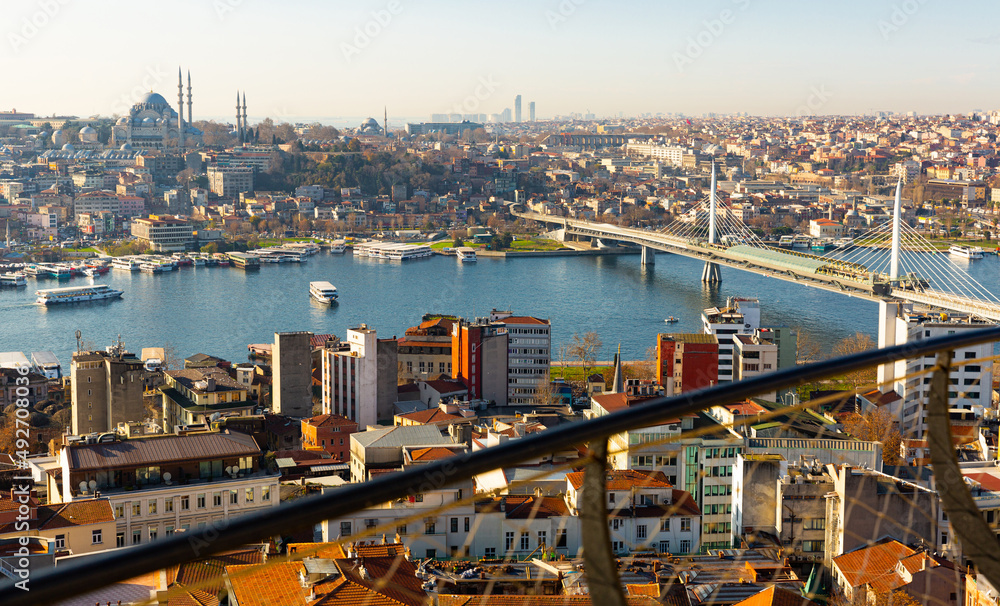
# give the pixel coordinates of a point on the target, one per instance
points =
(329, 58)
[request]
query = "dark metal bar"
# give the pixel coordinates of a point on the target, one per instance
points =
(979, 544)
(599, 560)
(58, 584)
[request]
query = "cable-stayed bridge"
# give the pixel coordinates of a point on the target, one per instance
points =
(892, 261)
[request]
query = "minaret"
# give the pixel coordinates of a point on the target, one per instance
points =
(180, 109)
(239, 124)
(618, 384)
(245, 127)
(190, 115)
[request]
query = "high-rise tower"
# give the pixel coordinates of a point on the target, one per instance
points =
(517, 108)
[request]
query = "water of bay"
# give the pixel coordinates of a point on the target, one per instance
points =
(218, 311)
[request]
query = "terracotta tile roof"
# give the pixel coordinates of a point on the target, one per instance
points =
(327, 551)
(864, 565)
(776, 596)
(206, 575)
(523, 320)
(161, 450)
(534, 600)
(647, 589)
(390, 581)
(747, 408)
(271, 585)
(617, 401)
(431, 454)
(430, 415)
(76, 513)
(986, 480)
(443, 386)
(535, 508)
(625, 479)
(330, 420)
(389, 550)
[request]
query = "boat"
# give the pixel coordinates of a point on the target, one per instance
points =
(822, 244)
(843, 242)
(13, 279)
(801, 242)
(90, 272)
(466, 254)
(198, 261)
(966, 252)
(394, 251)
(74, 294)
(221, 259)
(152, 268)
(671, 320)
(35, 271)
(126, 263)
(785, 242)
(60, 272)
(324, 292)
(338, 247)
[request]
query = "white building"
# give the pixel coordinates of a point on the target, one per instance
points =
(741, 315)
(350, 377)
(754, 355)
(971, 384)
(529, 347)
(230, 181)
(164, 233)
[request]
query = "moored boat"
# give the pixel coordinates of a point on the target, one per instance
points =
(75, 294)
(323, 291)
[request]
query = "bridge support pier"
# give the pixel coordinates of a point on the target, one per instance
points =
(648, 256)
(711, 274)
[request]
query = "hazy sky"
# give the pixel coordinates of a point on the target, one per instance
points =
(349, 58)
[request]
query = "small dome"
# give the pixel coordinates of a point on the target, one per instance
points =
(126, 147)
(68, 147)
(122, 121)
(58, 137)
(147, 121)
(88, 135)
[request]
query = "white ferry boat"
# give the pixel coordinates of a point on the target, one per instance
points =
(466, 254)
(13, 279)
(393, 251)
(73, 294)
(324, 292)
(338, 247)
(966, 252)
(126, 263)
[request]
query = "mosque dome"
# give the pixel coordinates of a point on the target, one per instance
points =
(58, 137)
(147, 121)
(154, 99)
(88, 134)
(68, 147)
(126, 147)
(122, 121)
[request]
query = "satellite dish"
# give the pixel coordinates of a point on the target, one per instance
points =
(229, 470)
(93, 484)
(83, 486)
(166, 477)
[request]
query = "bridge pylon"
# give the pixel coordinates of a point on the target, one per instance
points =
(711, 274)
(648, 256)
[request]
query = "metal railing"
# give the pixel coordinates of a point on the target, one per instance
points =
(84, 576)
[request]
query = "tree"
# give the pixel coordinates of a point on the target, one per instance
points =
(544, 394)
(856, 343)
(809, 349)
(876, 425)
(585, 350)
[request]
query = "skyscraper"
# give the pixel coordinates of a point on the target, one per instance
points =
(531, 111)
(517, 108)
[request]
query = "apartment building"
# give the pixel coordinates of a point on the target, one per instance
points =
(164, 233)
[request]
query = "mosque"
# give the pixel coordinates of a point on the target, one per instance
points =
(153, 124)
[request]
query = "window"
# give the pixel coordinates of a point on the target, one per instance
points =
(152, 533)
(466, 524)
(561, 537)
(345, 529)
(136, 536)
(431, 553)
(119, 511)
(151, 507)
(371, 523)
(185, 503)
(944, 539)
(168, 505)
(814, 524)
(120, 539)
(617, 546)
(248, 496)
(454, 524)
(685, 546)
(430, 527)
(615, 524)
(665, 525)
(265, 494)
(217, 499)
(813, 546)
(490, 553)
(168, 530)
(525, 541)
(508, 541)
(685, 525)
(234, 497)
(60, 541)
(136, 509)
(201, 501)
(664, 547)
(611, 498)
(542, 538)
(640, 531)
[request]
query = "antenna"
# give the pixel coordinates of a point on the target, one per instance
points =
(78, 335)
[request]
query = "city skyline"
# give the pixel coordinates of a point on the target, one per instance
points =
(721, 57)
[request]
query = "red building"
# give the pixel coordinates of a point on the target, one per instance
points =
(479, 359)
(330, 433)
(685, 362)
